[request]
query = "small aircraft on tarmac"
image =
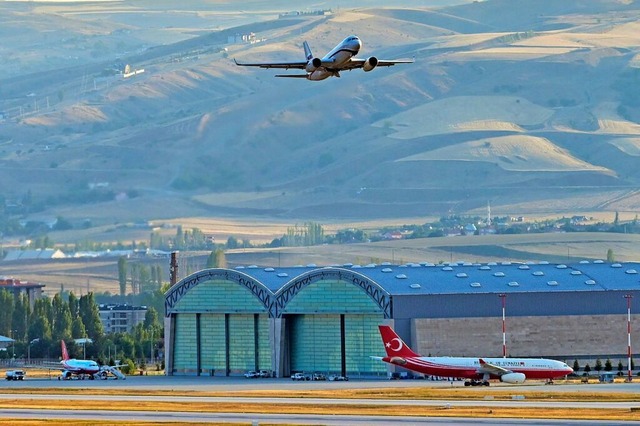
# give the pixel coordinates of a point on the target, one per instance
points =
(477, 370)
(340, 58)
(85, 368)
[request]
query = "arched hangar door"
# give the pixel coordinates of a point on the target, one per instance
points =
(219, 327)
(331, 326)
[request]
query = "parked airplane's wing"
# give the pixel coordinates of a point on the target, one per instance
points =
(485, 367)
(283, 65)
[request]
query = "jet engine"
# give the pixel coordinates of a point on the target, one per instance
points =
(370, 63)
(313, 64)
(513, 378)
(398, 360)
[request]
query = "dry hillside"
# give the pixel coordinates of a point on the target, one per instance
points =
(532, 105)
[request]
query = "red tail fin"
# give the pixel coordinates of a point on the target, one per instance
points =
(393, 344)
(65, 354)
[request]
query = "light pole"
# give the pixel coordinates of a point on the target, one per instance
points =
(29, 349)
(628, 297)
(13, 344)
(504, 325)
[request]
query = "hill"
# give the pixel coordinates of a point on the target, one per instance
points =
(532, 105)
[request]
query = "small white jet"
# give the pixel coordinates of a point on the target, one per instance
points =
(340, 58)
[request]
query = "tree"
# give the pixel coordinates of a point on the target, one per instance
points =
(6, 313)
(122, 275)
(610, 257)
(620, 368)
(217, 259)
(151, 319)
(21, 317)
(232, 242)
(598, 366)
(62, 321)
(91, 317)
(587, 369)
(607, 365)
(77, 329)
(73, 305)
(576, 366)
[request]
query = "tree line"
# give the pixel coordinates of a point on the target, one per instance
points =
(38, 331)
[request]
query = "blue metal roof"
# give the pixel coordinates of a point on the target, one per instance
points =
(470, 278)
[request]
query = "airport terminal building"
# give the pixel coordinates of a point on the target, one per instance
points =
(325, 319)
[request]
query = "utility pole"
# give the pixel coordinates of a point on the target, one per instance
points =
(504, 325)
(628, 297)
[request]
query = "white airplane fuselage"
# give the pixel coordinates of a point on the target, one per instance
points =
(468, 367)
(80, 366)
(338, 57)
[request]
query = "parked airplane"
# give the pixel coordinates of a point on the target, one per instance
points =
(477, 370)
(340, 58)
(79, 367)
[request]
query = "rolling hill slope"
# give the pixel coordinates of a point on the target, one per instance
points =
(549, 86)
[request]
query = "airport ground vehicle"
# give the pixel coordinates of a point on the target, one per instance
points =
(300, 376)
(338, 378)
(15, 374)
(251, 374)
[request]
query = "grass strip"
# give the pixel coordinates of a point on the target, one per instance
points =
(420, 393)
(357, 409)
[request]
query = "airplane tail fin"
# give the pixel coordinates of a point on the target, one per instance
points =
(393, 344)
(307, 51)
(65, 354)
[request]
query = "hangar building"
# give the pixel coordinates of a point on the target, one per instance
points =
(228, 321)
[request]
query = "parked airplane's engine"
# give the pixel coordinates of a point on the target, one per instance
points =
(313, 64)
(513, 378)
(370, 63)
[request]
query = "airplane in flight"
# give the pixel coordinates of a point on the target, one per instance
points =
(340, 58)
(477, 370)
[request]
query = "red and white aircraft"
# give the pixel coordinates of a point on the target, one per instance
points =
(477, 370)
(79, 367)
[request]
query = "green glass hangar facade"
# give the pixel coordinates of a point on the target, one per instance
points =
(224, 322)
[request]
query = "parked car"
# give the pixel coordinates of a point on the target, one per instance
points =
(251, 374)
(300, 376)
(318, 376)
(338, 378)
(265, 373)
(15, 374)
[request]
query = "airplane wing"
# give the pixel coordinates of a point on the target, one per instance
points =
(485, 367)
(359, 63)
(282, 65)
